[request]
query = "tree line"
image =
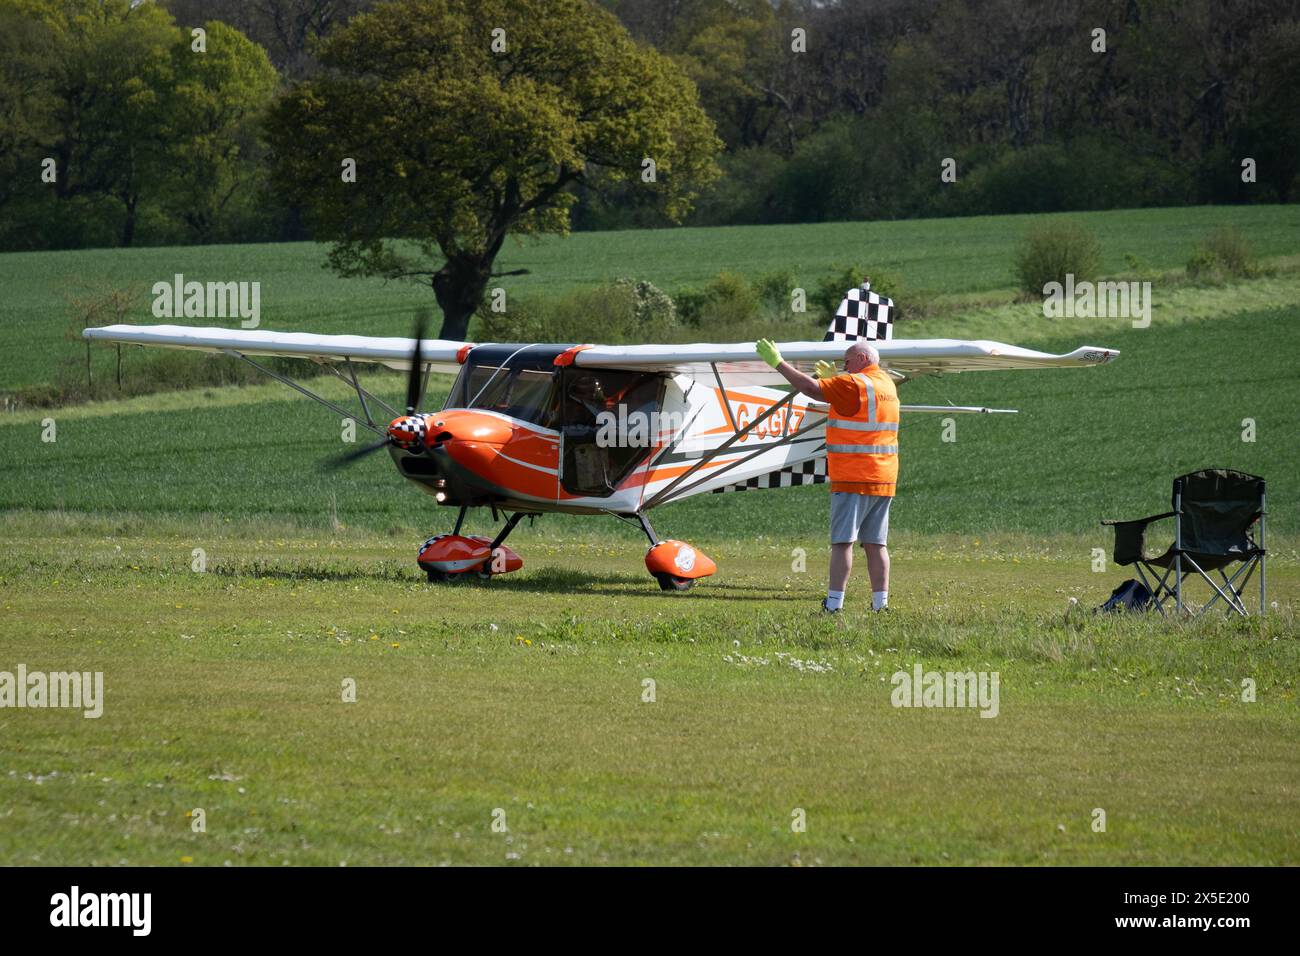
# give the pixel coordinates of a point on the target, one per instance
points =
(117, 129)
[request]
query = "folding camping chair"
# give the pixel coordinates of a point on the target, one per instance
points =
(1214, 513)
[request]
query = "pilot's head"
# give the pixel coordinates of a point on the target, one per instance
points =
(585, 388)
(860, 355)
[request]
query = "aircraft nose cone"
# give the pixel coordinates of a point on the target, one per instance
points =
(408, 431)
(468, 426)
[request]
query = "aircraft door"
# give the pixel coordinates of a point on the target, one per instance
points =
(606, 427)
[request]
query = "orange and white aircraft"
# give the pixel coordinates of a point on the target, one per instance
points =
(534, 428)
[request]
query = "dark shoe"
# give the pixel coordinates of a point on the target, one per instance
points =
(826, 610)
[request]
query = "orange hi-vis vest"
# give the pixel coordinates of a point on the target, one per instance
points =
(863, 449)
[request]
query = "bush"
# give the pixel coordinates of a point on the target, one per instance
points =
(773, 289)
(1084, 173)
(1223, 253)
(1052, 250)
(650, 305)
(145, 373)
(827, 295)
(626, 310)
(728, 299)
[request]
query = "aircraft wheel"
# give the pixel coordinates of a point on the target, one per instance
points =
(670, 582)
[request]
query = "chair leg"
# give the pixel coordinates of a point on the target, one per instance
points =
(1247, 569)
(1155, 598)
(1160, 592)
(1263, 547)
(1218, 592)
(1233, 594)
(1178, 583)
(1262, 598)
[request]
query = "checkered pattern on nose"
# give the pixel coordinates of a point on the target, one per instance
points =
(408, 431)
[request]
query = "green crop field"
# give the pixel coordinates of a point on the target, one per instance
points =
(527, 695)
(949, 257)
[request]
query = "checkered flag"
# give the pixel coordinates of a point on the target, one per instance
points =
(862, 315)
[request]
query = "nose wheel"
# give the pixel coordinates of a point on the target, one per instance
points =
(446, 558)
(671, 582)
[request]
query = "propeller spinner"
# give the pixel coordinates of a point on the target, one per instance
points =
(406, 431)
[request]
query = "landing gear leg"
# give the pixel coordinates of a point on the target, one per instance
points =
(649, 531)
(485, 572)
(504, 533)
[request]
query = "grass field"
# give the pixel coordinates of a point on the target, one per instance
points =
(947, 257)
(1087, 444)
(526, 694)
(223, 692)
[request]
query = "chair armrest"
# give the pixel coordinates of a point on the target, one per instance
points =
(1130, 537)
(1142, 522)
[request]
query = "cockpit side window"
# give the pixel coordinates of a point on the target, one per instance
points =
(526, 394)
(592, 400)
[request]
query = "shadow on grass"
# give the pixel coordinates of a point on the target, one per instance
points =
(550, 580)
(388, 572)
(613, 584)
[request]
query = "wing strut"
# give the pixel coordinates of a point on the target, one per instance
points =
(967, 409)
(362, 393)
(308, 392)
(726, 399)
(352, 373)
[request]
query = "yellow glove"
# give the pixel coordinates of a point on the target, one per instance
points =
(824, 369)
(768, 352)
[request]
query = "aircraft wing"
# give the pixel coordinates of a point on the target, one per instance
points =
(739, 364)
(439, 354)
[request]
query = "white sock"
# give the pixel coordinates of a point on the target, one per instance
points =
(834, 600)
(879, 599)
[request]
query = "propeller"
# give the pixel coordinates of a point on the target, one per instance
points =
(414, 383)
(342, 461)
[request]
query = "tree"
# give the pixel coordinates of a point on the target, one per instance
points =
(214, 106)
(129, 110)
(462, 136)
(105, 78)
(286, 28)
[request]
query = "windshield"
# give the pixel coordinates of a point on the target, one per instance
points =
(526, 394)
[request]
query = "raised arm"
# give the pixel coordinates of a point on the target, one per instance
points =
(801, 381)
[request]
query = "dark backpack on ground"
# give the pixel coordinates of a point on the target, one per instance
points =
(1132, 595)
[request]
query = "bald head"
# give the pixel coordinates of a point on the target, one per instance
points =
(859, 355)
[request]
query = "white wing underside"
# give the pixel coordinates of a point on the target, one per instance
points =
(737, 364)
(395, 353)
(905, 358)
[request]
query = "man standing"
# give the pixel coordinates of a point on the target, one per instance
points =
(861, 459)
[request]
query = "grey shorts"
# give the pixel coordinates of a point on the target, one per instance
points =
(862, 518)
